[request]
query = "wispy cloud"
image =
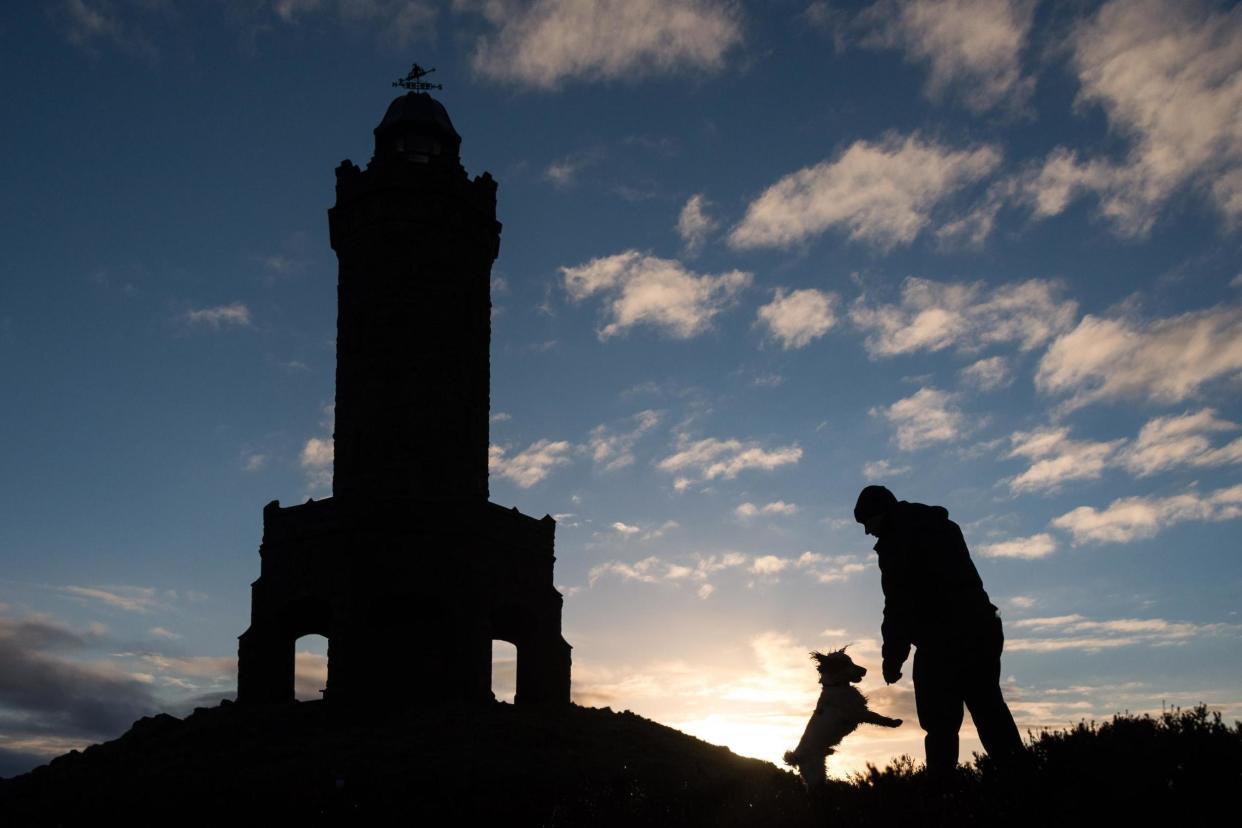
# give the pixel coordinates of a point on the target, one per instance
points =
(547, 42)
(713, 458)
(694, 225)
(1164, 72)
(880, 469)
(128, 598)
(1057, 458)
(987, 374)
(564, 172)
(829, 569)
(1167, 442)
(935, 315)
(748, 510)
(220, 316)
(613, 449)
(531, 465)
(89, 23)
(1035, 546)
(1132, 518)
(645, 290)
(1163, 443)
(881, 193)
(318, 454)
(1076, 632)
(1165, 360)
(694, 572)
(797, 318)
(927, 417)
(972, 48)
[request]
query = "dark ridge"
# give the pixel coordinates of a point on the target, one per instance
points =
(304, 762)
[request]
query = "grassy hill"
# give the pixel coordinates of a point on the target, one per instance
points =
(306, 763)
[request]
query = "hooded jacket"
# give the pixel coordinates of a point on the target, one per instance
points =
(932, 592)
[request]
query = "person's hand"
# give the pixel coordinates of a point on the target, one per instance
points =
(892, 672)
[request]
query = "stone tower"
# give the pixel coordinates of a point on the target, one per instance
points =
(408, 570)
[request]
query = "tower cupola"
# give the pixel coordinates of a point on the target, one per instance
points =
(416, 127)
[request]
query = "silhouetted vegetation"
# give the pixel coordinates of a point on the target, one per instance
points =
(1182, 766)
(304, 763)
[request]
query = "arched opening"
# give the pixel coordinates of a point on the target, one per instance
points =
(310, 667)
(504, 671)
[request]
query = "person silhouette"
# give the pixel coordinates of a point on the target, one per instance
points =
(934, 601)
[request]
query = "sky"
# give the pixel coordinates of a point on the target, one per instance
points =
(755, 256)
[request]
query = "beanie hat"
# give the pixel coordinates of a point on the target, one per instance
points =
(872, 501)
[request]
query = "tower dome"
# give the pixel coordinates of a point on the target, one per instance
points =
(416, 126)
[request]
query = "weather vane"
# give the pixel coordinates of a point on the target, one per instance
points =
(414, 80)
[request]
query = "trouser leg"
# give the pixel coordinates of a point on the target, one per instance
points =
(938, 699)
(987, 706)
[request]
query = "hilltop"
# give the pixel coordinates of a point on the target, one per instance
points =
(513, 766)
(305, 762)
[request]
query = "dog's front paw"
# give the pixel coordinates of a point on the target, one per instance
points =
(894, 722)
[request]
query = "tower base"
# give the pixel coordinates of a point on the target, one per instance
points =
(410, 595)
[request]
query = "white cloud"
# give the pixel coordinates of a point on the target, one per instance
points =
(797, 318)
(1165, 73)
(712, 458)
(936, 315)
(694, 225)
(748, 510)
(1076, 632)
(987, 374)
(500, 417)
(161, 632)
(1166, 442)
(926, 417)
(829, 569)
(971, 46)
(654, 570)
(564, 172)
(880, 469)
(659, 292)
(546, 42)
(1058, 458)
(1163, 443)
(1132, 518)
(768, 565)
(219, 316)
(625, 528)
(1036, 546)
(882, 193)
(318, 454)
(611, 450)
(1166, 360)
(128, 598)
(531, 465)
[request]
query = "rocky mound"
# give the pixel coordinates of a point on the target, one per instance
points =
(308, 763)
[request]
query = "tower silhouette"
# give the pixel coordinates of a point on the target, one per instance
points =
(408, 570)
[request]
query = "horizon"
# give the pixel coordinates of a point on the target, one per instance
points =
(754, 257)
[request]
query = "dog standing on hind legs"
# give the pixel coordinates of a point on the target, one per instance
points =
(838, 713)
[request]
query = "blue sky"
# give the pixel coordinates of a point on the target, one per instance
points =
(755, 256)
